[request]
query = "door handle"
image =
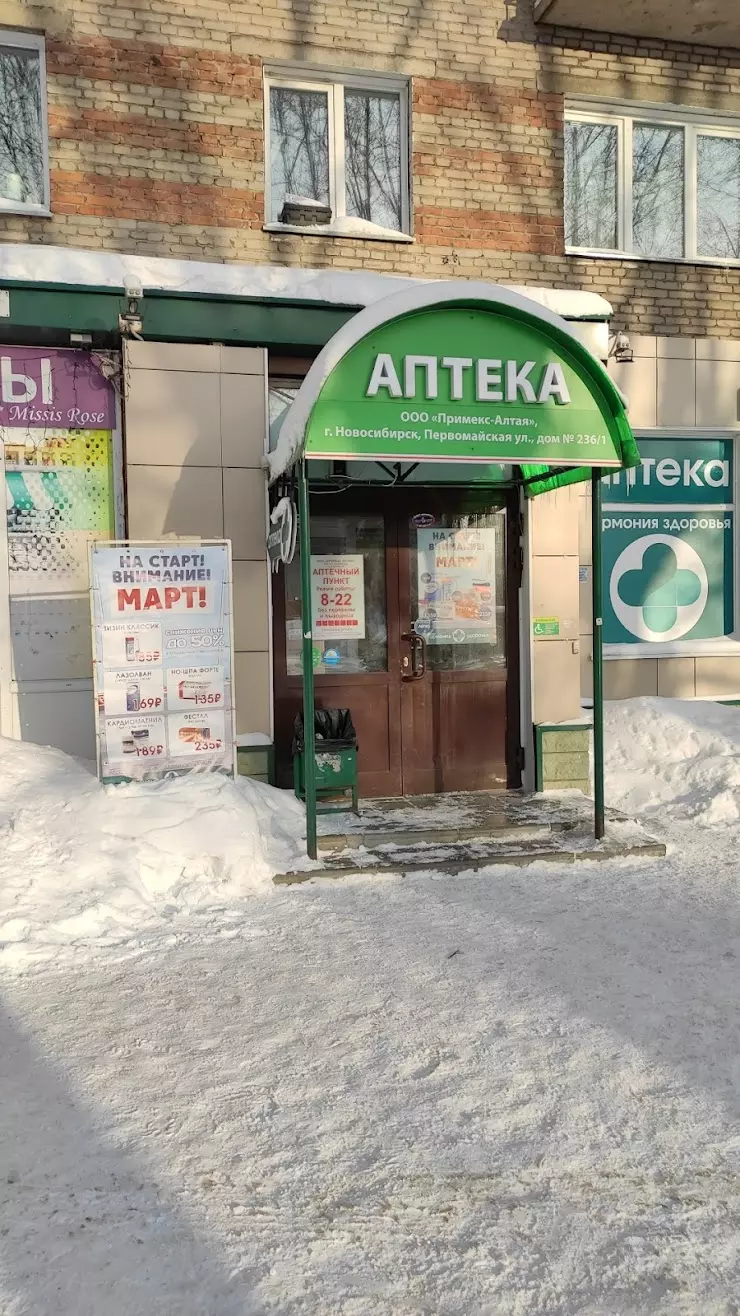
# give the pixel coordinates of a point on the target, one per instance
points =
(418, 657)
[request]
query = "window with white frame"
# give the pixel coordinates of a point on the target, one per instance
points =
(654, 183)
(341, 143)
(24, 183)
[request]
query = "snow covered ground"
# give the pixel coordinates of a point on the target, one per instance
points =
(513, 1092)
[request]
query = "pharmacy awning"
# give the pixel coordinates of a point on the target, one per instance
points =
(460, 372)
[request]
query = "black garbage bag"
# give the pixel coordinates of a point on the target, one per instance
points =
(333, 729)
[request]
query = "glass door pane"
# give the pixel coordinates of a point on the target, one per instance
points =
(458, 590)
(350, 627)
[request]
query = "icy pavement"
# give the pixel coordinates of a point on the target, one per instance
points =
(506, 1094)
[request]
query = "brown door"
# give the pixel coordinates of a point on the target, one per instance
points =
(430, 671)
(455, 652)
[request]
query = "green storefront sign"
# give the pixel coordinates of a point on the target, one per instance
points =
(460, 383)
(668, 533)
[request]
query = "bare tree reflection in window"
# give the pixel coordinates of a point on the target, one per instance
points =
(718, 196)
(657, 190)
(21, 132)
(299, 138)
(372, 130)
(591, 185)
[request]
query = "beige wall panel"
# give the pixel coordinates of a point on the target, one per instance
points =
(676, 392)
(251, 606)
(718, 394)
(643, 344)
(243, 361)
(245, 512)
(718, 676)
(628, 678)
(252, 687)
(243, 420)
(680, 349)
(554, 523)
(554, 593)
(172, 418)
(173, 356)
(718, 349)
(557, 681)
(676, 678)
(585, 606)
(638, 380)
(169, 500)
(587, 670)
(584, 525)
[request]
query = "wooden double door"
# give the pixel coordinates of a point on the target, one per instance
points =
(415, 630)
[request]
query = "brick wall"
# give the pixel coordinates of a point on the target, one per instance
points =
(156, 136)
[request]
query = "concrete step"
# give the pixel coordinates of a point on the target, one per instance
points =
(471, 856)
(410, 838)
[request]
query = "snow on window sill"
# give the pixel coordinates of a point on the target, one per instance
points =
(348, 227)
(592, 253)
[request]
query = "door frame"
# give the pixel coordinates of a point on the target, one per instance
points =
(376, 499)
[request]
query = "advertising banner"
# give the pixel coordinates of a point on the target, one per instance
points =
(338, 596)
(163, 658)
(668, 535)
(456, 586)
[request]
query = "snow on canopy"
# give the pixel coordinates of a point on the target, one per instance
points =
(422, 297)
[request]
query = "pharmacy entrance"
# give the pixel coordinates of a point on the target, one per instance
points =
(415, 629)
(413, 454)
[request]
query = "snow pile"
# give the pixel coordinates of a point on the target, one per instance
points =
(83, 863)
(674, 759)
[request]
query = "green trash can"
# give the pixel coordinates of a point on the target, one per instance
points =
(335, 748)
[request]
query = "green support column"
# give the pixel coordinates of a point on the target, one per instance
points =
(597, 588)
(309, 757)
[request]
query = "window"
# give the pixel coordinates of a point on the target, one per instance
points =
(341, 148)
(24, 182)
(653, 183)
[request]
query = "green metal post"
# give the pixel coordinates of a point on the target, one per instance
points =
(597, 588)
(309, 757)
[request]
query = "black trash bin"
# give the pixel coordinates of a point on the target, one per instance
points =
(335, 748)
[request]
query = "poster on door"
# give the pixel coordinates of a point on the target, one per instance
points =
(338, 596)
(163, 659)
(456, 585)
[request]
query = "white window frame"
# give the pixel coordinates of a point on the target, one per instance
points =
(30, 41)
(333, 86)
(695, 124)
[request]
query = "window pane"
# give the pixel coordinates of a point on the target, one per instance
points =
(357, 537)
(591, 185)
(299, 146)
(372, 157)
(719, 196)
(657, 190)
(21, 134)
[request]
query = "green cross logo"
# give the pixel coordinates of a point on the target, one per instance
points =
(659, 587)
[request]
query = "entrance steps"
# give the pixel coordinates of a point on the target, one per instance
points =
(461, 831)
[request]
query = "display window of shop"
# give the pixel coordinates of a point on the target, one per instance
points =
(60, 441)
(669, 549)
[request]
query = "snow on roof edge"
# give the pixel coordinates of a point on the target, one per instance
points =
(418, 297)
(36, 263)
